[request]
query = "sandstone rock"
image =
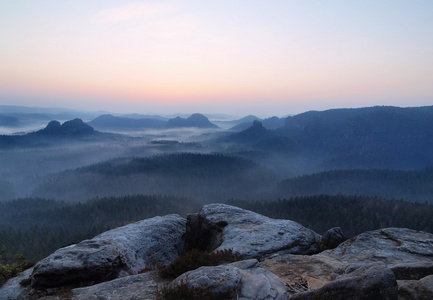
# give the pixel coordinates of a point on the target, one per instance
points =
(230, 281)
(364, 267)
(407, 253)
(220, 226)
(152, 241)
(142, 286)
(412, 271)
(390, 245)
(258, 283)
(373, 281)
(13, 290)
(416, 289)
(332, 238)
(88, 262)
(119, 252)
(302, 272)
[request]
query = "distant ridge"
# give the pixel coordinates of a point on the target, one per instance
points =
(269, 123)
(108, 122)
(9, 121)
(74, 127)
(52, 134)
(373, 137)
(195, 120)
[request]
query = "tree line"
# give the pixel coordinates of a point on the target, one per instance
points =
(354, 214)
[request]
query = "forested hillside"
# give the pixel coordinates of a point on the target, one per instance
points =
(206, 177)
(36, 227)
(374, 137)
(408, 185)
(354, 214)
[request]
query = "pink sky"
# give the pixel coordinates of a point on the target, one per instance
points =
(260, 57)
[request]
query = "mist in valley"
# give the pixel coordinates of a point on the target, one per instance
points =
(67, 181)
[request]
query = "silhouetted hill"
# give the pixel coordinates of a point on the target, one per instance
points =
(74, 127)
(40, 115)
(253, 134)
(273, 122)
(374, 137)
(379, 137)
(195, 120)
(243, 123)
(205, 177)
(9, 121)
(408, 185)
(52, 134)
(110, 122)
(268, 123)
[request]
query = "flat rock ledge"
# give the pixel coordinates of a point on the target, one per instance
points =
(391, 262)
(241, 280)
(251, 235)
(116, 253)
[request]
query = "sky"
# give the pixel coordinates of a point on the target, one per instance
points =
(240, 57)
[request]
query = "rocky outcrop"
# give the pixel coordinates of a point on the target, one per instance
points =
(371, 281)
(116, 253)
(242, 280)
(389, 263)
(13, 289)
(86, 263)
(332, 238)
(141, 286)
(404, 253)
(220, 227)
(416, 289)
(391, 246)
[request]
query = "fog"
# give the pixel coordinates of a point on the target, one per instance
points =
(312, 145)
(26, 169)
(71, 182)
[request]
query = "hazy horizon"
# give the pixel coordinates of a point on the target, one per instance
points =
(13, 108)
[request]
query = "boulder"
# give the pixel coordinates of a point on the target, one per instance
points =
(332, 238)
(391, 246)
(88, 262)
(141, 286)
(116, 253)
(416, 289)
(372, 281)
(14, 290)
(412, 271)
(406, 253)
(221, 227)
(150, 242)
(303, 272)
(241, 280)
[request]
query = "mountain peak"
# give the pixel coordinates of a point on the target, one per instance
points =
(195, 120)
(72, 127)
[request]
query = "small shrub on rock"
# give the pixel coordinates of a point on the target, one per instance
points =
(194, 259)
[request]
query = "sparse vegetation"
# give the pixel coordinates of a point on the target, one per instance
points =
(11, 266)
